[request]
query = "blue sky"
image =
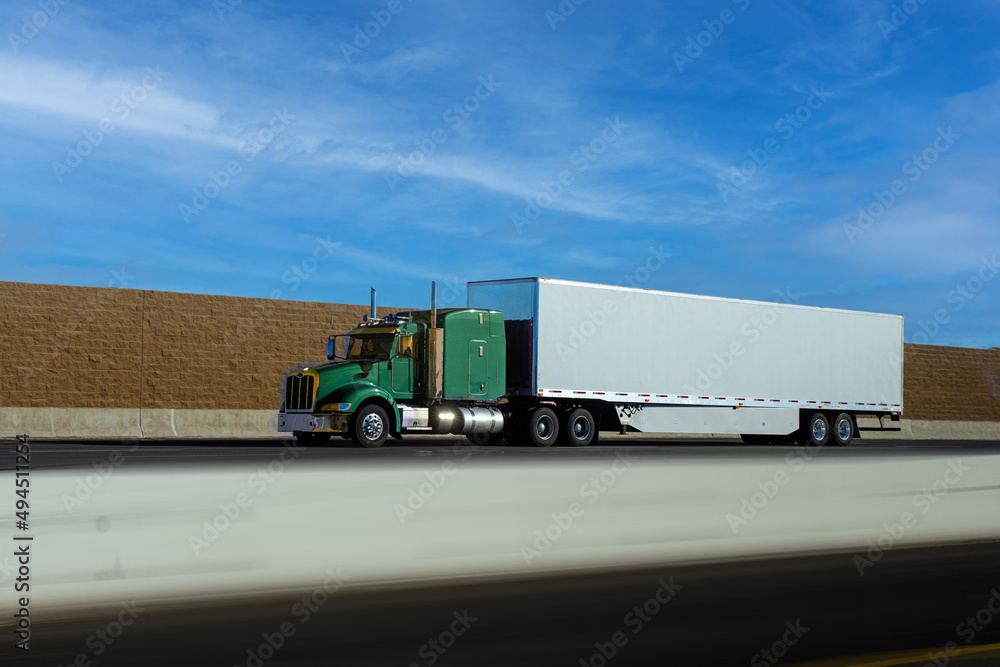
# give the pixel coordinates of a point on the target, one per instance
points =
(729, 148)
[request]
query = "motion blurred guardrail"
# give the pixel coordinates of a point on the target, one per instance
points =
(112, 533)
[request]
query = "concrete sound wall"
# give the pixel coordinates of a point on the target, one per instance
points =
(951, 383)
(91, 362)
(88, 361)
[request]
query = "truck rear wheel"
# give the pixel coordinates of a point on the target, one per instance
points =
(843, 429)
(578, 427)
(543, 427)
(370, 426)
(816, 431)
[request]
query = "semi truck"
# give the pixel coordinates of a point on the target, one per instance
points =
(539, 361)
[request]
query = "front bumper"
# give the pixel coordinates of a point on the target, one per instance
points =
(307, 423)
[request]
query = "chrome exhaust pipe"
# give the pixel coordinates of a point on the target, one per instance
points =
(434, 304)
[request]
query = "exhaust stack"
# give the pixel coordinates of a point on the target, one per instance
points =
(435, 351)
(434, 304)
(372, 316)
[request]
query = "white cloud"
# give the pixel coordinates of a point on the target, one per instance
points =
(84, 95)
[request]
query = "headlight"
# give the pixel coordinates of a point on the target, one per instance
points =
(343, 407)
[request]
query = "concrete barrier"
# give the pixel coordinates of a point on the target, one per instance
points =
(925, 429)
(84, 423)
(136, 423)
(113, 531)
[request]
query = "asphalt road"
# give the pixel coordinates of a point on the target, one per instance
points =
(778, 610)
(722, 613)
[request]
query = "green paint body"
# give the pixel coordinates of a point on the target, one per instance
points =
(474, 364)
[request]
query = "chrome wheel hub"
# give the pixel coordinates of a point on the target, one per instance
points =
(371, 427)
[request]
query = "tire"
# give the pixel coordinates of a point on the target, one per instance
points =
(842, 430)
(578, 427)
(755, 439)
(816, 431)
(370, 426)
(313, 439)
(543, 427)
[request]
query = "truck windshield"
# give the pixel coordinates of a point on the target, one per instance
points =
(373, 346)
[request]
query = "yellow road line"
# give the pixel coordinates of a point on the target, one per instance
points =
(901, 658)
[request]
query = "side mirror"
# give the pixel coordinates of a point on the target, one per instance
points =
(330, 351)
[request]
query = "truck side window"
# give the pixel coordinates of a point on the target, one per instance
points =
(405, 347)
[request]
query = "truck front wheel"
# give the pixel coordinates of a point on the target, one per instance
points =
(370, 426)
(543, 427)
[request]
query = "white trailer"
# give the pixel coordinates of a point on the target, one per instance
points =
(679, 363)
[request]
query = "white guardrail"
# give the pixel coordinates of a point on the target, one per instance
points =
(120, 531)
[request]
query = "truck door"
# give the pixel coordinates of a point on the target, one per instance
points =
(401, 374)
(478, 367)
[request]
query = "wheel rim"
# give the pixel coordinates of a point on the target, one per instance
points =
(581, 429)
(543, 428)
(844, 429)
(818, 430)
(371, 427)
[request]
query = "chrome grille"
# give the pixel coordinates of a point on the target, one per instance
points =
(299, 392)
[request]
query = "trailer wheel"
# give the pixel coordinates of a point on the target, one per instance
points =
(843, 429)
(578, 427)
(313, 439)
(370, 426)
(816, 432)
(543, 427)
(754, 439)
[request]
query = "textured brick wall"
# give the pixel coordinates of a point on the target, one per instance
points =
(101, 347)
(951, 383)
(85, 347)
(70, 346)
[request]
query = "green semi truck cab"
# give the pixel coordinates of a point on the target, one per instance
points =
(431, 371)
